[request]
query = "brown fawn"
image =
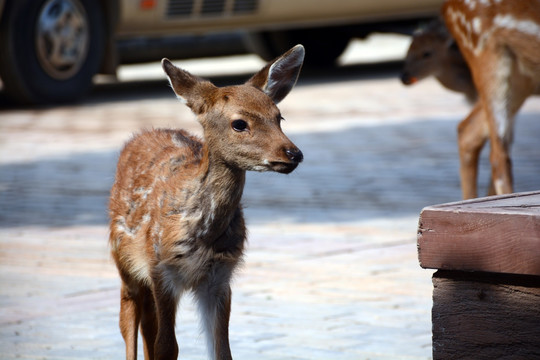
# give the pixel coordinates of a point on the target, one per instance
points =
(176, 219)
(500, 40)
(433, 52)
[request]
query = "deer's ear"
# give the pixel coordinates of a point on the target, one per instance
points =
(190, 89)
(182, 82)
(278, 77)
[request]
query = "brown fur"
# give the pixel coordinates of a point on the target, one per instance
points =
(176, 217)
(501, 43)
(433, 52)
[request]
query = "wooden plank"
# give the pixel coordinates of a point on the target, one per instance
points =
(517, 203)
(494, 234)
(485, 316)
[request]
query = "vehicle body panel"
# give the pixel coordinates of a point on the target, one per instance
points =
(134, 31)
(193, 16)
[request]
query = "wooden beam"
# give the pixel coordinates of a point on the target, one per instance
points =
(485, 316)
(495, 234)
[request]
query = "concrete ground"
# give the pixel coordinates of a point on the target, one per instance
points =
(331, 270)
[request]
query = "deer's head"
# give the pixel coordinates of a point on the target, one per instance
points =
(430, 48)
(241, 123)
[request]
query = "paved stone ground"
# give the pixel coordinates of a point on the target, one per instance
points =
(331, 269)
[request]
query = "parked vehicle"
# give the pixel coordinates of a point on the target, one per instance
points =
(51, 49)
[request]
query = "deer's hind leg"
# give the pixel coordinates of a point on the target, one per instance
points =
(130, 317)
(149, 323)
(505, 90)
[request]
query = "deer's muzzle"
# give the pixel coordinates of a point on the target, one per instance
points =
(294, 157)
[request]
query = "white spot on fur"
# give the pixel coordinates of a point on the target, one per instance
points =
(524, 26)
(501, 21)
(122, 228)
(146, 218)
(477, 25)
(139, 268)
(264, 167)
(459, 18)
(259, 168)
(471, 4)
(499, 103)
(498, 184)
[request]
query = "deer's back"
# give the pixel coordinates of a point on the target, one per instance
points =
(154, 169)
(152, 164)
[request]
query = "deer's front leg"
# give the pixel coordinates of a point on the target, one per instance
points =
(472, 135)
(501, 114)
(149, 323)
(166, 301)
(214, 300)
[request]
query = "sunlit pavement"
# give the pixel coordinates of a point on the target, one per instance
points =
(331, 269)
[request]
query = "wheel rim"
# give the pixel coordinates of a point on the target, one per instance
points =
(62, 38)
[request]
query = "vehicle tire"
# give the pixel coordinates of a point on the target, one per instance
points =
(323, 45)
(50, 49)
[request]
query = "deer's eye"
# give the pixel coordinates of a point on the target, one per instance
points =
(426, 54)
(239, 125)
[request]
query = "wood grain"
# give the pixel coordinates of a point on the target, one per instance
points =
(495, 234)
(485, 316)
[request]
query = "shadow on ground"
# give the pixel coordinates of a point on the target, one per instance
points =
(350, 175)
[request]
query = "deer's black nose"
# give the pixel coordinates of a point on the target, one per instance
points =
(405, 78)
(294, 155)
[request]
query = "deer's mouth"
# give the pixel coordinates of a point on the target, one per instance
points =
(283, 167)
(406, 79)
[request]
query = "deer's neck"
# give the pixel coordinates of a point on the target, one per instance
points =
(224, 185)
(221, 187)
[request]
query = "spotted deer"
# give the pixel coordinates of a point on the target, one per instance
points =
(500, 40)
(433, 52)
(176, 220)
